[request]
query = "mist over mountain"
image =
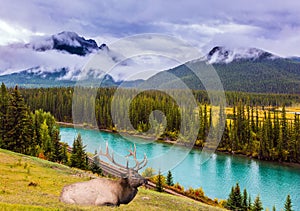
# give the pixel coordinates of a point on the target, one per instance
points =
(65, 41)
(63, 55)
(221, 54)
(246, 70)
(57, 60)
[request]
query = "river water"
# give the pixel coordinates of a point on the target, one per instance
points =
(272, 181)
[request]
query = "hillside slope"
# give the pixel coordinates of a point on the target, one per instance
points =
(28, 183)
(261, 76)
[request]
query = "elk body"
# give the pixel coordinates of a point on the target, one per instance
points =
(102, 191)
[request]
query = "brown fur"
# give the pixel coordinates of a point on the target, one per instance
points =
(103, 191)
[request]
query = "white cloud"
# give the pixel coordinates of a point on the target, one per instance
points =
(14, 59)
(13, 33)
(142, 67)
(206, 36)
(204, 29)
(141, 56)
(198, 22)
(132, 58)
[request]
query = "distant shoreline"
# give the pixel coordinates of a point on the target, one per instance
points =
(83, 126)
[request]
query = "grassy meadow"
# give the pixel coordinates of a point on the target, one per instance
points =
(28, 183)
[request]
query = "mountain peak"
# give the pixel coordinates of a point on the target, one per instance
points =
(104, 47)
(221, 54)
(73, 43)
(66, 41)
(68, 34)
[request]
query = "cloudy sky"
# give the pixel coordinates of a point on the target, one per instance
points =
(272, 25)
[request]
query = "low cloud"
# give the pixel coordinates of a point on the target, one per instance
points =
(15, 59)
(131, 58)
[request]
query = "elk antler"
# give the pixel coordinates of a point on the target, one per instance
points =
(137, 166)
(111, 157)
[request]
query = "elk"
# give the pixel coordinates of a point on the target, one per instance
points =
(103, 191)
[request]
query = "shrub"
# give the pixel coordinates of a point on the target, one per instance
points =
(178, 187)
(148, 173)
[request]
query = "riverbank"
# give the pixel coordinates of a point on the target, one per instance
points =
(170, 142)
(85, 126)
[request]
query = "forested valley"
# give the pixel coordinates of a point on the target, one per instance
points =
(257, 125)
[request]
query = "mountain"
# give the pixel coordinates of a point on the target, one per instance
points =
(239, 69)
(58, 60)
(295, 58)
(221, 54)
(246, 70)
(65, 41)
(37, 77)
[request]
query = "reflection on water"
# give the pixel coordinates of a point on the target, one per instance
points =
(216, 176)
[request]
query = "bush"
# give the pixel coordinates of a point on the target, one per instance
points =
(148, 173)
(199, 192)
(195, 193)
(178, 187)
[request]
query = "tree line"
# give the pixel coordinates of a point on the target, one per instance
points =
(239, 201)
(264, 134)
(58, 100)
(271, 136)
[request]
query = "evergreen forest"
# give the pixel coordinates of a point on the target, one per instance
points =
(257, 125)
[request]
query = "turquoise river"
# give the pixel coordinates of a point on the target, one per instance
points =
(272, 181)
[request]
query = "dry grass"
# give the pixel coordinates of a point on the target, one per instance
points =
(289, 111)
(47, 180)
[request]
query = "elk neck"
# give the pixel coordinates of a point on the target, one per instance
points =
(128, 192)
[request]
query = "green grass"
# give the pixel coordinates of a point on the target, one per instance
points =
(18, 171)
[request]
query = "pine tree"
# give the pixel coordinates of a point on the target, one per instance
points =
(257, 205)
(170, 179)
(238, 196)
(234, 201)
(57, 147)
(159, 182)
(78, 156)
(295, 139)
(64, 154)
(284, 134)
(288, 204)
(245, 200)
(3, 114)
(33, 148)
(249, 203)
(205, 122)
(19, 124)
(274, 208)
(230, 201)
